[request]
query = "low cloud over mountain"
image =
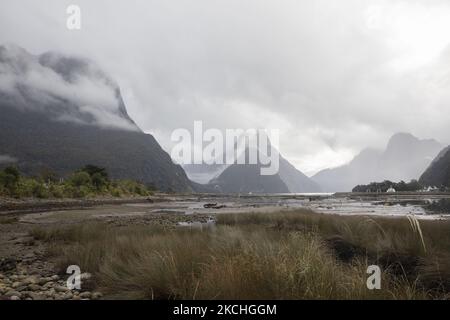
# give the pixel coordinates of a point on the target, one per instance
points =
(68, 89)
(62, 113)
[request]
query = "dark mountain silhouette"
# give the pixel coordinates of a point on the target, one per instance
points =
(61, 113)
(247, 178)
(438, 173)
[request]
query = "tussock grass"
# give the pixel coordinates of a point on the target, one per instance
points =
(289, 255)
(375, 234)
(8, 220)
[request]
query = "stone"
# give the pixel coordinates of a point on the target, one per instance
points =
(7, 264)
(11, 293)
(36, 296)
(15, 298)
(96, 295)
(34, 287)
(44, 280)
(61, 289)
(68, 296)
(30, 280)
(85, 295)
(29, 256)
(54, 277)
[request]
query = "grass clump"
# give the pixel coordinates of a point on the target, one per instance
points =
(294, 255)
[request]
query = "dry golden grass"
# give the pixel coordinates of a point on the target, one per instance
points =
(294, 255)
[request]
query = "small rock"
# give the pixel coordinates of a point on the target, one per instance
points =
(11, 293)
(15, 298)
(30, 280)
(85, 295)
(76, 298)
(51, 292)
(36, 296)
(17, 284)
(7, 264)
(34, 287)
(44, 280)
(55, 277)
(61, 289)
(68, 296)
(96, 295)
(30, 256)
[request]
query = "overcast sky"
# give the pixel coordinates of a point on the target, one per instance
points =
(333, 76)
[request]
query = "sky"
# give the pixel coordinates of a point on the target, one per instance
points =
(334, 77)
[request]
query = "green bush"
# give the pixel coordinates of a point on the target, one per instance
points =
(90, 181)
(57, 191)
(79, 179)
(99, 181)
(9, 179)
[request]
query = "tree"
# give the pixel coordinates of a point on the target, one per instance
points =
(99, 181)
(80, 178)
(9, 179)
(13, 171)
(92, 170)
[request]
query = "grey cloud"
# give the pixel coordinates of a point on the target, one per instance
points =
(7, 159)
(38, 83)
(319, 70)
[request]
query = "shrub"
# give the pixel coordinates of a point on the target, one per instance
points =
(99, 181)
(79, 179)
(90, 181)
(9, 179)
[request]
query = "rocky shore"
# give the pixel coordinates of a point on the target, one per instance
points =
(26, 271)
(33, 287)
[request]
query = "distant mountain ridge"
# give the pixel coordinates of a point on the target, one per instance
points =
(61, 113)
(404, 158)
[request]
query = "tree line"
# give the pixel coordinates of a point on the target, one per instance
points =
(89, 181)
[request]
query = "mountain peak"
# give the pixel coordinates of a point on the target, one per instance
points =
(404, 158)
(402, 138)
(62, 112)
(65, 88)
